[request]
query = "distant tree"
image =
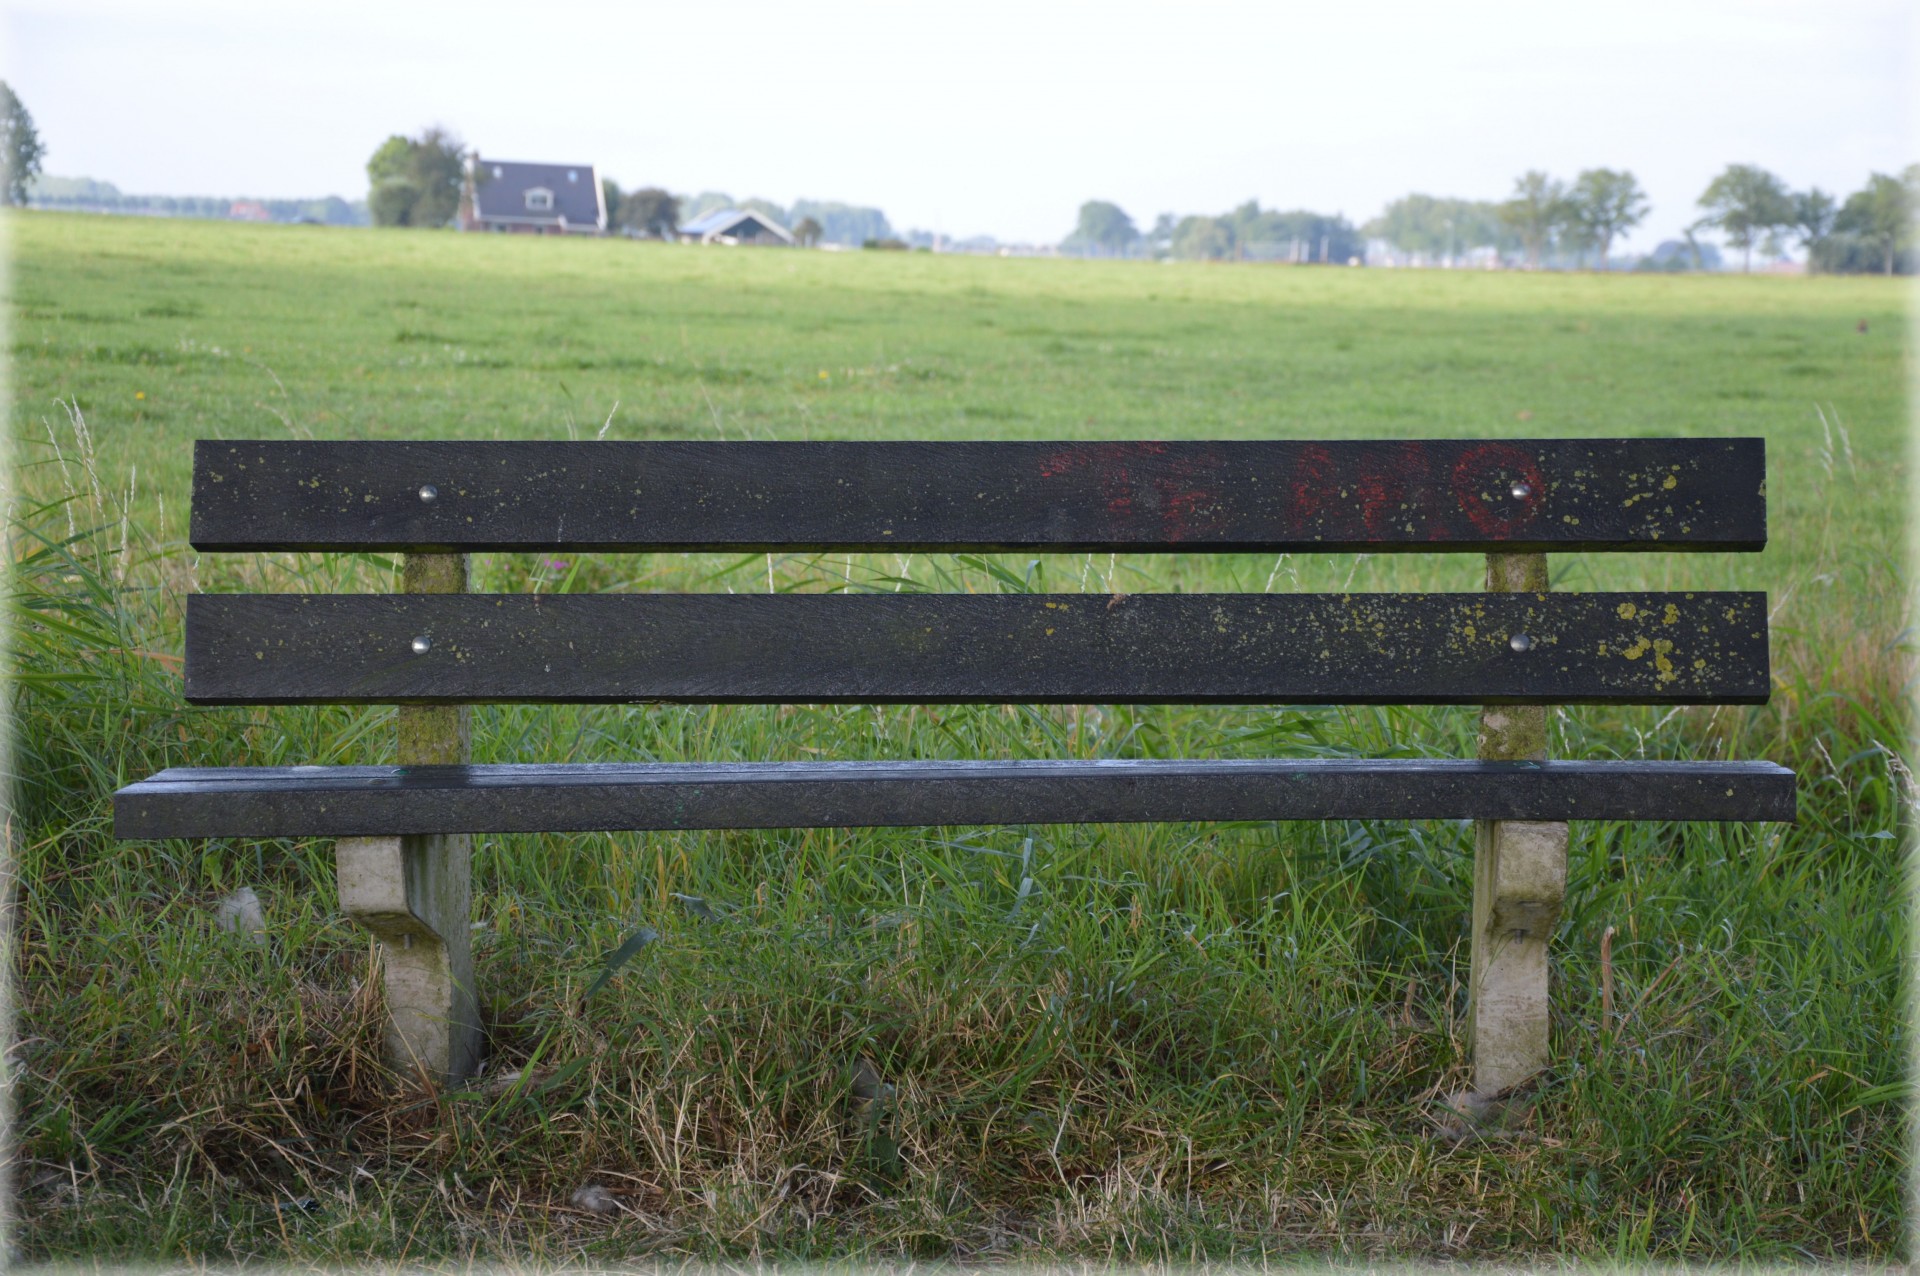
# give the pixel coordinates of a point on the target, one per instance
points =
(807, 232)
(1813, 211)
(1251, 231)
(1476, 223)
(1604, 203)
(1437, 229)
(393, 190)
(650, 211)
(1160, 238)
(24, 149)
(417, 181)
(390, 160)
(847, 224)
(1103, 228)
(1747, 204)
(611, 196)
(1697, 250)
(1536, 213)
(1298, 236)
(1203, 239)
(1411, 225)
(440, 163)
(1882, 215)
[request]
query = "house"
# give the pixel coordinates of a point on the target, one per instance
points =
(552, 199)
(736, 226)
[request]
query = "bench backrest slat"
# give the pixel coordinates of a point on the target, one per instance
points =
(1428, 495)
(1640, 648)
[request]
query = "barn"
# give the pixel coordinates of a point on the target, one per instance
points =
(736, 226)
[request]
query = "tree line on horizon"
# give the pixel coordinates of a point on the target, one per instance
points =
(1246, 233)
(1575, 223)
(1545, 222)
(87, 195)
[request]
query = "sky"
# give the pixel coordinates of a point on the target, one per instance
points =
(993, 117)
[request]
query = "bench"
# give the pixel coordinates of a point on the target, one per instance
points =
(403, 832)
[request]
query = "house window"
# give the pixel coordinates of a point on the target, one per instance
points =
(573, 175)
(496, 171)
(539, 200)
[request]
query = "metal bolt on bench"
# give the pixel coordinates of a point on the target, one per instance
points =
(403, 831)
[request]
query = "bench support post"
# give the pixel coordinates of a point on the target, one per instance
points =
(416, 893)
(1519, 881)
(413, 893)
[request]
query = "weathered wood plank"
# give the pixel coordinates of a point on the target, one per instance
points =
(359, 800)
(1642, 648)
(1467, 495)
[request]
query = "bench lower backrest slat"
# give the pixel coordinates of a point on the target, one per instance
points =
(1645, 648)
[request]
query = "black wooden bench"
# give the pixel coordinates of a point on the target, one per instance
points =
(403, 830)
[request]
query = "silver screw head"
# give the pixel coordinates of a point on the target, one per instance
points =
(422, 645)
(428, 493)
(1520, 642)
(1521, 489)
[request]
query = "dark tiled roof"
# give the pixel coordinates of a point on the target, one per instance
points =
(501, 187)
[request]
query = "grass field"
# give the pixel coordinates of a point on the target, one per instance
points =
(1164, 1042)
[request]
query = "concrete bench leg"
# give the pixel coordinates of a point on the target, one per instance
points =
(415, 895)
(1519, 882)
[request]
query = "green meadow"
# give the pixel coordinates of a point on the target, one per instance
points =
(1169, 1043)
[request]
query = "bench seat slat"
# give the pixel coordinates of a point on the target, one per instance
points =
(1641, 648)
(1520, 495)
(384, 801)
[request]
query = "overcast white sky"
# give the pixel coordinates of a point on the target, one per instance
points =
(997, 117)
